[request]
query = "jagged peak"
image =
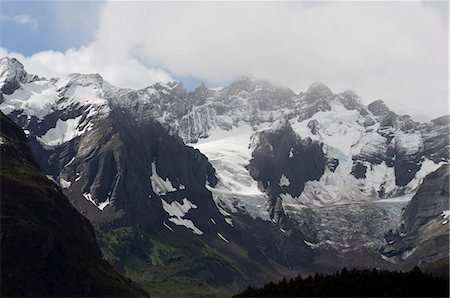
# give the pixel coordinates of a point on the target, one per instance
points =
(89, 78)
(172, 87)
(245, 83)
(201, 89)
(320, 89)
(378, 108)
(10, 63)
(352, 101)
(11, 70)
(167, 85)
(12, 73)
(349, 93)
(280, 124)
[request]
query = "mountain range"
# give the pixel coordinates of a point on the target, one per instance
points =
(209, 191)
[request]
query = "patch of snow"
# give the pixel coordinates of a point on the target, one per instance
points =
(222, 211)
(291, 153)
(427, 167)
(390, 260)
(50, 177)
(229, 221)
(70, 162)
(159, 185)
(88, 197)
(177, 211)
(222, 237)
(34, 99)
(167, 226)
(186, 223)
(213, 221)
(64, 183)
(312, 245)
(445, 214)
(64, 131)
(407, 253)
(100, 206)
(2, 141)
(78, 178)
(284, 181)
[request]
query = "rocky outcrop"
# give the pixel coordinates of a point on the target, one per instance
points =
(423, 236)
(282, 163)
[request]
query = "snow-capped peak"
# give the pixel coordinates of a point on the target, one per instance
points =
(10, 65)
(12, 73)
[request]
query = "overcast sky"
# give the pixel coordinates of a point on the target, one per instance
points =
(395, 51)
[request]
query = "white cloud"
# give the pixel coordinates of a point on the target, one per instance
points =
(396, 51)
(25, 19)
(124, 71)
(22, 19)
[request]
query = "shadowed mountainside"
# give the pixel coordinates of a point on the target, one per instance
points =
(47, 247)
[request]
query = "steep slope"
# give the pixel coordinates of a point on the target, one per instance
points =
(423, 236)
(47, 247)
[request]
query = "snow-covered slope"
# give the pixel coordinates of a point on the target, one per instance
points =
(229, 153)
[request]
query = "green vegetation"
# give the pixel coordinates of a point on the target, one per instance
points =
(356, 283)
(164, 266)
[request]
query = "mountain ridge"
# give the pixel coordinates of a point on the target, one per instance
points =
(202, 163)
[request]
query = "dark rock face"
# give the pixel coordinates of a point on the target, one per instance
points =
(47, 247)
(352, 101)
(332, 164)
(285, 248)
(436, 138)
(431, 199)
(282, 162)
(313, 125)
(378, 108)
(423, 237)
(359, 170)
(113, 163)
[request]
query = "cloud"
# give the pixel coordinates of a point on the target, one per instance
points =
(124, 72)
(396, 51)
(25, 19)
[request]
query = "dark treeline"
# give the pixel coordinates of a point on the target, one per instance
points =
(356, 283)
